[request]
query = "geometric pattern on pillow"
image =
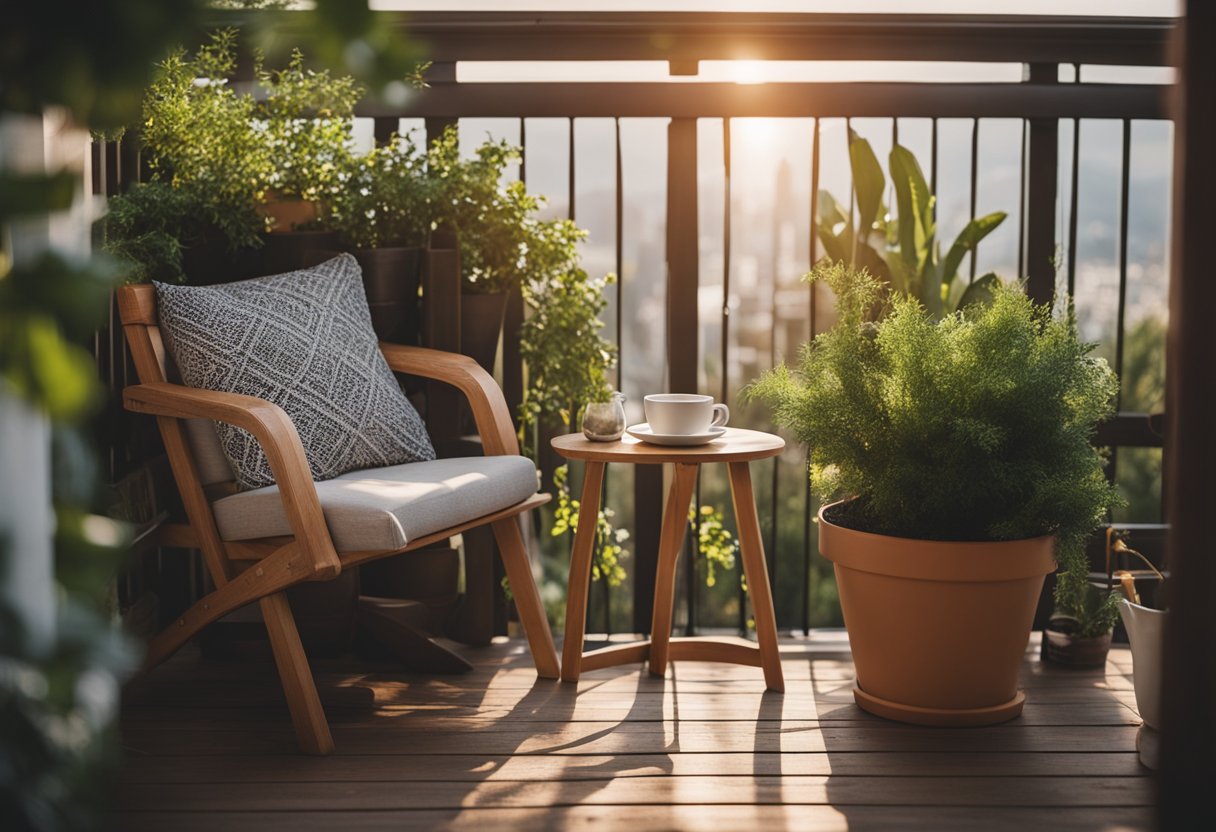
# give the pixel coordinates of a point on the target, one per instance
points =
(304, 341)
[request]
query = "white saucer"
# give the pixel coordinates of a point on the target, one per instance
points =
(644, 433)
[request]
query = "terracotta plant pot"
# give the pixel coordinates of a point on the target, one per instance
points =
(288, 214)
(481, 318)
(938, 629)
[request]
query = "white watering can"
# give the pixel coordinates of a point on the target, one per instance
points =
(1146, 630)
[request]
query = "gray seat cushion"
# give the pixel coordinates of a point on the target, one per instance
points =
(304, 341)
(386, 508)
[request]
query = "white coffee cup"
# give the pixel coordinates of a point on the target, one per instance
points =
(684, 414)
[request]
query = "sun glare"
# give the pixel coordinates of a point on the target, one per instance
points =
(746, 72)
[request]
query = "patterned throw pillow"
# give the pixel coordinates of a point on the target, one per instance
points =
(304, 341)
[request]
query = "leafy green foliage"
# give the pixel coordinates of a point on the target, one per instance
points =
(46, 307)
(903, 252)
(383, 201)
(715, 543)
(58, 705)
(606, 562)
(495, 223)
(976, 426)
(307, 121)
(228, 152)
(200, 136)
(566, 358)
(148, 227)
(1087, 610)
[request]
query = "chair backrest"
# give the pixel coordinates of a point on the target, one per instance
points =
(137, 309)
(436, 314)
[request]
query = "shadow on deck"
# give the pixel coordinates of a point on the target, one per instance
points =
(209, 746)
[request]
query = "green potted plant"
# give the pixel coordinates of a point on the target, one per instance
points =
(903, 251)
(1078, 634)
(380, 213)
(959, 452)
(261, 173)
(496, 230)
(150, 228)
(305, 122)
(198, 138)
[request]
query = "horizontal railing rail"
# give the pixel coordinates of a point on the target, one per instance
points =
(686, 37)
(779, 100)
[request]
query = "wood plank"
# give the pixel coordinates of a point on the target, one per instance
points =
(456, 717)
(795, 666)
(294, 768)
(644, 738)
(646, 818)
(695, 790)
(696, 749)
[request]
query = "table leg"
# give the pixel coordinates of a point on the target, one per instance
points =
(752, 549)
(580, 571)
(671, 540)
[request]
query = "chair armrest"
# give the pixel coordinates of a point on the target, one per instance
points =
(270, 425)
(490, 410)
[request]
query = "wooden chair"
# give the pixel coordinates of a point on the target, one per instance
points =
(260, 570)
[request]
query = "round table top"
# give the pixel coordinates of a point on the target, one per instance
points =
(736, 445)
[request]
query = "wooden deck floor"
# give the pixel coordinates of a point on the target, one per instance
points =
(209, 747)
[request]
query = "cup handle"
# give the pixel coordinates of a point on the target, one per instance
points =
(721, 416)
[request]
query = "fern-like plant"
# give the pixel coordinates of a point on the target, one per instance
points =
(976, 426)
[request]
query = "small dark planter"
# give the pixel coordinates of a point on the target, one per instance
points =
(209, 261)
(391, 278)
(287, 251)
(481, 319)
(1061, 648)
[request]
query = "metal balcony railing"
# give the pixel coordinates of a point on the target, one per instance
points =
(1051, 103)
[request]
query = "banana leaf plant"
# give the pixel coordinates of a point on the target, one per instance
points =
(902, 250)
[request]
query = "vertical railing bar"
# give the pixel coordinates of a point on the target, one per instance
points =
(975, 146)
(812, 251)
(1124, 203)
(1112, 462)
(848, 134)
(523, 151)
(619, 264)
(683, 271)
(771, 559)
(570, 175)
(891, 183)
(726, 256)
(1022, 202)
(692, 531)
(933, 167)
(1072, 215)
(620, 261)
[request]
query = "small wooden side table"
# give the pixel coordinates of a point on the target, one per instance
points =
(736, 448)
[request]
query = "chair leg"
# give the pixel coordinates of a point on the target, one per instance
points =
(312, 730)
(527, 597)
